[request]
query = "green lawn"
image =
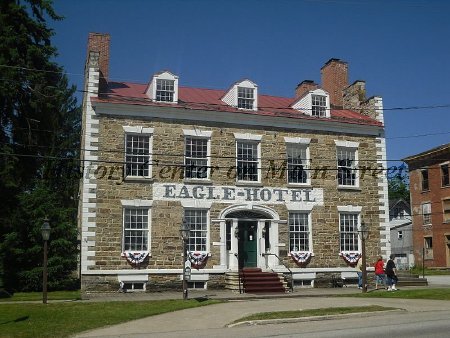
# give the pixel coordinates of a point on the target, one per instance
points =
(65, 318)
(429, 293)
(37, 296)
(313, 312)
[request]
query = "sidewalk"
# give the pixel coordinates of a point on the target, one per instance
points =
(219, 294)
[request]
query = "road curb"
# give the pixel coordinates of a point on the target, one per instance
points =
(311, 318)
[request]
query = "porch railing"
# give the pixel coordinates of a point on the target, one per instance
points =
(282, 263)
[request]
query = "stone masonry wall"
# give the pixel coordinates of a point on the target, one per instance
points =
(168, 149)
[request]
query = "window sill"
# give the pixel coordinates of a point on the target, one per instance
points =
(299, 185)
(248, 184)
(204, 181)
(135, 179)
(352, 188)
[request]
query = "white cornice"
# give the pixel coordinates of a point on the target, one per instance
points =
(171, 113)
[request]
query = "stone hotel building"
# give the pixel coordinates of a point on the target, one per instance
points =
(272, 183)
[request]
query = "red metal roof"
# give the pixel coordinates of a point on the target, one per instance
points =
(210, 99)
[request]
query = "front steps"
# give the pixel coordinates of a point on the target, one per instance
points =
(254, 280)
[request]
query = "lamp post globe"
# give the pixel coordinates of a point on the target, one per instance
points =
(45, 232)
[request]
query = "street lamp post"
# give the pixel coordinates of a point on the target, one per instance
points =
(185, 231)
(363, 233)
(45, 231)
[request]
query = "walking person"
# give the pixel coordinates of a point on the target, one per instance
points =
(391, 273)
(359, 272)
(379, 273)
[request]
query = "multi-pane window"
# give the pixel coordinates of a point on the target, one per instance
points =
(165, 90)
(346, 161)
(348, 229)
(197, 222)
(247, 161)
(426, 213)
(299, 232)
(135, 229)
(196, 157)
(137, 155)
(400, 235)
(246, 97)
(425, 183)
(319, 105)
(445, 175)
(297, 165)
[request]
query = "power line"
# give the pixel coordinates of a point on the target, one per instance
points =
(191, 102)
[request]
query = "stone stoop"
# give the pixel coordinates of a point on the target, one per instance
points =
(232, 281)
(254, 280)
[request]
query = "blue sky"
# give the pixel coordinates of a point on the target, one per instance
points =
(399, 47)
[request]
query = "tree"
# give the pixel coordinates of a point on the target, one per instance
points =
(398, 187)
(39, 142)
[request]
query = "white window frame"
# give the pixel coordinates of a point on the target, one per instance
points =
(306, 234)
(400, 235)
(138, 131)
(165, 88)
(299, 143)
(254, 140)
(348, 147)
(190, 245)
(356, 240)
(246, 98)
(316, 105)
(145, 210)
(426, 213)
(198, 135)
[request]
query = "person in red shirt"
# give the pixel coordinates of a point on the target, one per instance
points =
(379, 273)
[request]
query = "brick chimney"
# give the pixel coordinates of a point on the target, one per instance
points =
(335, 80)
(304, 87)
(98, 42)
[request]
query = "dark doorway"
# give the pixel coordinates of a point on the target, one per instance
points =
(247, 243)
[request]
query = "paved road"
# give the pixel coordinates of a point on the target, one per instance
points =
(212, 321)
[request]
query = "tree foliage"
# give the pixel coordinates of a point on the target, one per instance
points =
(39, 138)
(398, 187)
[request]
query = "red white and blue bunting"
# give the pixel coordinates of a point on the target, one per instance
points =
(351, 258)
(198, 259)
(135, 257)
(301, 258)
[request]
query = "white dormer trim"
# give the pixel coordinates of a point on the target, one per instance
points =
(231, 97)
(305, 104)
(165, 75)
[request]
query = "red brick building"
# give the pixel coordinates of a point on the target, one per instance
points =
(430, 202)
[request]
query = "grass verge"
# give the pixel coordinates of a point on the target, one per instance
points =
(37, 296)
(313, 312)
(64, 319)
(429, 293)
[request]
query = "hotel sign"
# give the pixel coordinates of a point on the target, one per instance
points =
(233, 194)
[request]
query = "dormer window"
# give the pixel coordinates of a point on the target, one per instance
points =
(163, 88)
(315, 102)
(319, 105)
(245, 98)
(242, 95)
